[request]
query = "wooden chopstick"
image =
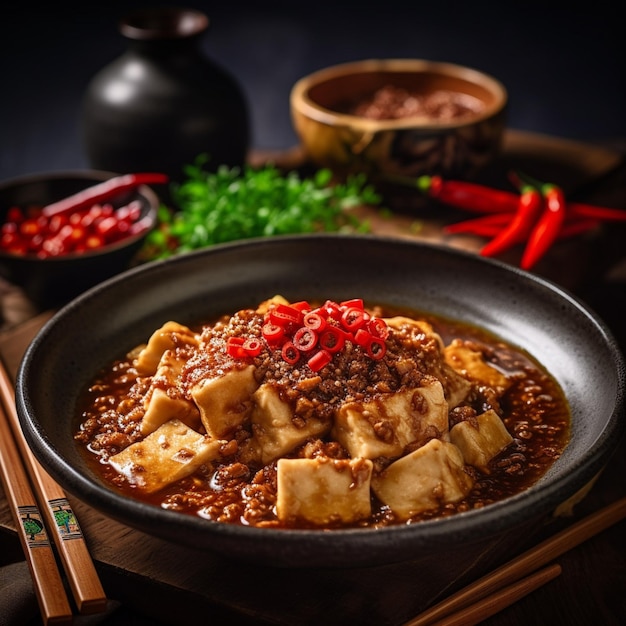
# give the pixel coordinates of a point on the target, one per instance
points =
(490, 605)
(60, 520)
(524, 564)
(53, 602)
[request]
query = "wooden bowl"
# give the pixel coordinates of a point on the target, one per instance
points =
(435, 141)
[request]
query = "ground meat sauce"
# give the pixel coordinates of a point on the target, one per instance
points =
(533, 409)
(392, 103)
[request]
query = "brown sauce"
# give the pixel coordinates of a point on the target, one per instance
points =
(393, 103)
(533, 408)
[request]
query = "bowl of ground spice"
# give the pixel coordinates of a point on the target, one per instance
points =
(400, 117)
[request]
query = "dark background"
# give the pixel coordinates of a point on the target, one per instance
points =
(563, 63)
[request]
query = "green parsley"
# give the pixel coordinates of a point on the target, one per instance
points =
(239, 203)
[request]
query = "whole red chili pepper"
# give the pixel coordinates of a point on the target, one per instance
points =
(103, 192)
(607, 214)
(578, 227)
(484, 226)
(547, 228)
(469, 196)
(529, 206)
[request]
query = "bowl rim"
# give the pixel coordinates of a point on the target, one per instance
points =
(86, 174)
(302, 102)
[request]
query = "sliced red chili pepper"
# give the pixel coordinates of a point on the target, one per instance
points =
(272, 333)
(131, 212)
(353, 318)
(107, 227)
(547, 228)
(290, 353)
(103, 191)
(234, 347)
(319, 360)
(305, 339)
(302, 306)
(252, 346)
(314, 321)
(520, 226)
(332, 339)
(376, 348)
(283, 315)
(140, 226)
(15, 214)
(362, 337)
(378, 327)
(355, 302)
(332, 310)
(93, 242)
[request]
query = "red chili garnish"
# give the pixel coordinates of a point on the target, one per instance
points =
(283, 315)
(355, 302)
(353, 318)
(103, 191)
(378, 327)
(333, 310)
(252, 346)
(316, 334)
(65, 233)
(290, 353)
(362, 337)
(376, 348)
(332, 339)
(234, 347)
(319, 360)
(314, 321)
(305, 339)
(272, 333)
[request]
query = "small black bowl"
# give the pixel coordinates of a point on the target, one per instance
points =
(521, 308)
(53, 281)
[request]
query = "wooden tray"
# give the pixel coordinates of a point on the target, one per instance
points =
(166, 582)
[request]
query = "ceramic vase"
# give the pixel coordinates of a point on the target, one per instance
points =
(163, 103)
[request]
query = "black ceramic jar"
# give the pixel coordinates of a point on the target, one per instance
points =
(163, 103)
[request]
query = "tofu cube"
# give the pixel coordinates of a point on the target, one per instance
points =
(479, 444)
(224, 402)
(471, 364)
(386, 425)
(164, 401)
(323, 491)
(170, 335)
(170, 453)
(424, 479)
(418, 332)
(274, 431)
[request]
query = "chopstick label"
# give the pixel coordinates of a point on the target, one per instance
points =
(33, 526)
(67, 524)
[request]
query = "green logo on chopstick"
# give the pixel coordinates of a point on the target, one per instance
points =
(65, 519)
(34, 529)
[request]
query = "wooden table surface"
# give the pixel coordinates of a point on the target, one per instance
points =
(160, 582)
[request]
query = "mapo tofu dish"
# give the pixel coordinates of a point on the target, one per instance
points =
(327, 415)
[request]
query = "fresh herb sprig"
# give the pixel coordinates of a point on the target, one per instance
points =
(239, 203)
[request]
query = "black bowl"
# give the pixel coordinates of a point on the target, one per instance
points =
(521, 308)
(53, 281)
